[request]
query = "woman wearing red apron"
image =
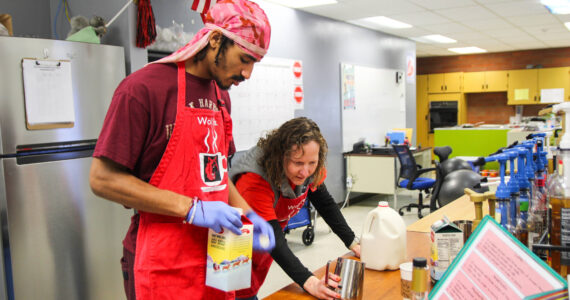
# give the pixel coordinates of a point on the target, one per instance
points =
(286, 169)
(163, 151)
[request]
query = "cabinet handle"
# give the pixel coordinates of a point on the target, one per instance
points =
(441, 87)
(482, 86)
(487, 86)
(446, 87)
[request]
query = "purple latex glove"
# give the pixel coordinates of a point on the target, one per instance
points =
(215, 215)
(263, 236)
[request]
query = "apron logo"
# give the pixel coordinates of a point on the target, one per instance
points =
(207, 121)
(212, 168)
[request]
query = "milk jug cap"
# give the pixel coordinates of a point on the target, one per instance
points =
(383, 204)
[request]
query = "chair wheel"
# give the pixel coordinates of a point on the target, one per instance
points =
(308, 236)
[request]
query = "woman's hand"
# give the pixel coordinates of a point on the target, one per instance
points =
(356, 250)
(320, 290)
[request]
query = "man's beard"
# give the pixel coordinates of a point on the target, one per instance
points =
(237, 78)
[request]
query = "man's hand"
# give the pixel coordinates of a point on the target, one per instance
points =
(320, 290)
(215, 215)
(263, 235)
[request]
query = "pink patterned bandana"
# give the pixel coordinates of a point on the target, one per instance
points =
(242, 21)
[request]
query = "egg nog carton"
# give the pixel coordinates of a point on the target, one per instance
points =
(446, 242)
(228, 266)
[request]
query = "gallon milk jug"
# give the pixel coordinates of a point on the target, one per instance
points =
(383, 241)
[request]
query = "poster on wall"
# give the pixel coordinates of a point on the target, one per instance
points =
(265, 101)
(411, 68)
(347, 87)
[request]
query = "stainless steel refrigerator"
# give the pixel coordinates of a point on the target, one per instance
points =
(59, 241)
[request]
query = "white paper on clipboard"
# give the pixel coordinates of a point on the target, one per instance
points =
(48, 93)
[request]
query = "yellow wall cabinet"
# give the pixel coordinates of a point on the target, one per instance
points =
(553, 80)
(533, 86)
(489, 81)
(445, 82)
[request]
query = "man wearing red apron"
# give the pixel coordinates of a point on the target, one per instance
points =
(285, 169)
(163, 150)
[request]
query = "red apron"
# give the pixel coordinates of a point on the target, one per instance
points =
(170, 260)
(261, 261)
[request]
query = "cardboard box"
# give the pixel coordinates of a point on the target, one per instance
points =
(446, 242)
(228, 265)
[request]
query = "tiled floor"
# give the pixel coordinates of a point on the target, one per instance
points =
(327, 245)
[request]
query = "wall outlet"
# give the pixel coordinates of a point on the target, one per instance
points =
(349, 182)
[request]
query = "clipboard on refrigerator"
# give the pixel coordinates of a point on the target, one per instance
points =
(48, 94)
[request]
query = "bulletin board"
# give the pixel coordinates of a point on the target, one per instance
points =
(373, 102)
(265, 101)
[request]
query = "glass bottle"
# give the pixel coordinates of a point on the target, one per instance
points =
(560, 218)
(419, 278)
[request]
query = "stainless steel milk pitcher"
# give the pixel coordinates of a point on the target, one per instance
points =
(351, 274)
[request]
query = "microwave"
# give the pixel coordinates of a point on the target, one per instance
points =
(442, 114)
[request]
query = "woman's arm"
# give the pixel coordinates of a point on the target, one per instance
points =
(329, 210)
(293, 267)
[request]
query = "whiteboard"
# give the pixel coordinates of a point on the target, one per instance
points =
(372, 103)
(266, 100)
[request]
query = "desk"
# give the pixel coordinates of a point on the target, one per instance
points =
(377, 173)
(386, 284)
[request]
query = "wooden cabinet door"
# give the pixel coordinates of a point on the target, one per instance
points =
(474, 82)
(522, 87)
(554, 78)
(453, 82)
(422, 110)
(496, 81)
(435, 83)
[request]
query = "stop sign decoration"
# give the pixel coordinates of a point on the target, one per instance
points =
(297, 69)
(298, 94)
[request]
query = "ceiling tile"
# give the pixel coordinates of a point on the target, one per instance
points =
(447, 28)
(466, 36)
(421, 18)
(532, 20)
(493, 23)
(439, 4)
(516, 8)
(562, 36)
(527, 45)
(501, 33)
(518, 39)
(547, 29)
(563, 18)
(357, 9)
(463, 14)
(558, 43)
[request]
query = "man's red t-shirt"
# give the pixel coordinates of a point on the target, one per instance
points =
(141, 118)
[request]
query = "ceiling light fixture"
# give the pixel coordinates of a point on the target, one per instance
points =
(434, 38)
(302, 3)
(567, 24)
(467, 50)
(557, 7)
(384, 22)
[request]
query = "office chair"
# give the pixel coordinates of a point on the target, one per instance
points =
(442, 153)
(409, 178)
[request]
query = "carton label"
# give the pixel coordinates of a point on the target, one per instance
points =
(228, 265)
(447, 241)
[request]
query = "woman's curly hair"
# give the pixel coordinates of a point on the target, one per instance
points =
(278, 144)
